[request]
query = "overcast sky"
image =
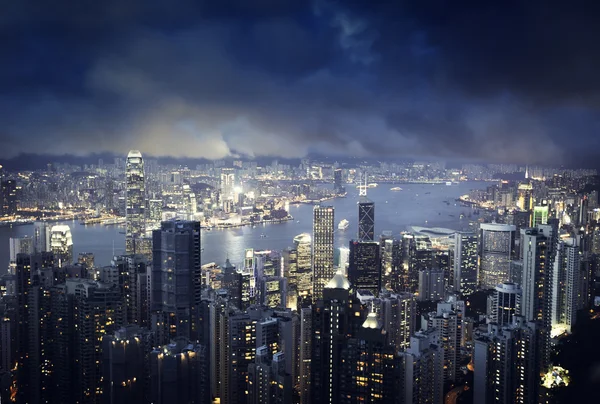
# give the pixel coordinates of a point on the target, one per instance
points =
(500, 81)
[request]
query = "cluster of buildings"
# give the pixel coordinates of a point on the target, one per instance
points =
(389, 319)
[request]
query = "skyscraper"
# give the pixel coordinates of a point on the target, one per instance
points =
(364, 270)
(322, 257)
(465, 263)
(135, 202)
(176, 277)
(227, 188)
(366, 220)
(41, 237)
(569, 285)
(539, 216)
(497, 251)
(338, 186)
(9, 198)
(61, 244)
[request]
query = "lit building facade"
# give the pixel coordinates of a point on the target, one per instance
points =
(135, 202)
(322, 257)
(465, 263)
(497, 243)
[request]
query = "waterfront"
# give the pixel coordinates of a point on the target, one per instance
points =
(416, 205)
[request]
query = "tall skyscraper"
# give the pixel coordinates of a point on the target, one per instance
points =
(465, 263)
(338, 185)
(322, 257)
(397, 313)
(506, 303)
(61, 244)
(18, 245)
(227, 188)
(364, 269)
(569, 285)
(431, 285)
(177, 277)
(497, 251)
(366, 220)
(135, 202)
(539, 216)
(423, 364)
(538, 250)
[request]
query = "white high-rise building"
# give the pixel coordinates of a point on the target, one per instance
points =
(135, 202)
(61, 244)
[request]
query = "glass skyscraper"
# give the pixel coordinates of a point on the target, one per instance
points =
(136, 202)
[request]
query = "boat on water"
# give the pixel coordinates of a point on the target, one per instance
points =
(448, 183)
(373, 185)
(396, 189)
(343, 225)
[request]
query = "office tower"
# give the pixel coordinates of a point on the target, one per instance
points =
(135, 202)
(338, 185)
(61, 244)
(177, 276)
(299, 270)
(397, 312)
(465, 263)
(26, 266)
(109, 195)
(539, 216)
(423, 369)
(431, 285)
(272, 291)
(9, 198)
(506, 364)
(370, 369)
(366, 220)
(497, 243)
(569, 285)
(125, 365)
(322, 256)
(7, 341)
(506, 303)
(18, 245)
(268, 381)
(334, 320)
(41, 237)
(179, 373)
(364, 269)
(448, 322)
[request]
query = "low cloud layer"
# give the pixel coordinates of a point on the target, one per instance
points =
(452, 79)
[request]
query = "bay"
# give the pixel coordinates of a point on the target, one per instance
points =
(415, 205)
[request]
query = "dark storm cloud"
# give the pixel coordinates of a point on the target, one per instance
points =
(500, 81)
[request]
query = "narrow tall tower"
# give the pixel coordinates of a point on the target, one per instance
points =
(366, 215)
(322, 263)
(136, 201)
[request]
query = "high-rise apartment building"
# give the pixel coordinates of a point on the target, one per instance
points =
(176, 277)
(570, 280)
(506, 363)
(322, 257)
(431, 285)
(423, 369)
(497, 244)
(397, 312)
(135, 202)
